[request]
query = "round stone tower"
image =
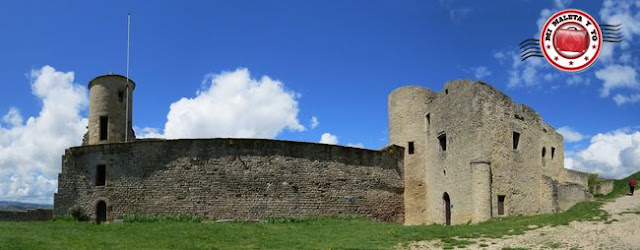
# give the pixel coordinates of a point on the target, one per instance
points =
(109, 115)
(408, 127)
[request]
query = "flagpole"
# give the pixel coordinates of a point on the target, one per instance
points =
(126, 125)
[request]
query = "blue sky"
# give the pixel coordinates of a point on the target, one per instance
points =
(333, 60)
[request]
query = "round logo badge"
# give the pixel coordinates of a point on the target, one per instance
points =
(571, 40)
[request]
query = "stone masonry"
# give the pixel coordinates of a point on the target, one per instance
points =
(465, 154)
(473, 154)
(238, 179)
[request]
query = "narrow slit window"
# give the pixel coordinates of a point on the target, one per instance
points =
(100, 175)
(442, 139)
(501, 204)
(411, 148)
(553, 152)
(516, 140)
(104, 122)
(428, 119)
(544, 152)
(121, 96)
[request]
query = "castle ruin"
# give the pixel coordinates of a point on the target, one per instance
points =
(462, 155)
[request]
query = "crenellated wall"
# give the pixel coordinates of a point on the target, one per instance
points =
(242, 179)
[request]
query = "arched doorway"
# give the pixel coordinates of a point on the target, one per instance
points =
(447, 208)
(101, 212)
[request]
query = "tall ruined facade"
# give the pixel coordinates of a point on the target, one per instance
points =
(472, 154)
(462, 155)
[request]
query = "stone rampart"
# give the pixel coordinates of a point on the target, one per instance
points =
(237, 179)
(31, 215)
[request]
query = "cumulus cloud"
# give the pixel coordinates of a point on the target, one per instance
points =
(481, 72)
(616, 76)
(569, 134)
(621, 99)
(30, 151)
(232, 104)
(620, 73)
(614, 154)
(328, 138)
(13, 118)
(314, 122)
(576, 79)
(623, 12)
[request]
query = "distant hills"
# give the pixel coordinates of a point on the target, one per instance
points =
(22, 206)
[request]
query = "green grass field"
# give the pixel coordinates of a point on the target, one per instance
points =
(162, 232)
(293, 233)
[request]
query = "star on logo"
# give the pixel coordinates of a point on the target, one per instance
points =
(548, 46)
(556, 58)
(593, 46)
(586, 58)
(570, 62)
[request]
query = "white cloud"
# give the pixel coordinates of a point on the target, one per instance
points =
(30, 151)
(355, 145)
(314, 122)
(623, 12)
(576, 80)
(232, 104)
(481, 72)
(616, 76)
(624, 99)
(569, 134)
(612, 155)
(328, 138)
(13, 118)
(147, 132)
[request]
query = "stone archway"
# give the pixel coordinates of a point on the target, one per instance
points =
(447, 208)
(101, 212)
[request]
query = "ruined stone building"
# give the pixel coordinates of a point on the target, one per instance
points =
(462, 155)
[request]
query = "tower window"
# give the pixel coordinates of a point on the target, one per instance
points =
(104, 122)
(501, 204)
(544, 151)
(443, 141)
(411, 148)
(516, 140)
(100, 175)
(446, 91)
(428, 116)
(553, 152)
(120, 96)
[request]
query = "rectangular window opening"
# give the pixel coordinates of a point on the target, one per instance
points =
(100, 175)
(443, 141)
(410, 148)
(501, 204)
(120, 96)
(553, 152)
(428, 119)
(516, 140)
(104, 121)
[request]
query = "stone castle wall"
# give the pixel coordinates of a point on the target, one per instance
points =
(241, 179)
(480, 163)
(30, 215)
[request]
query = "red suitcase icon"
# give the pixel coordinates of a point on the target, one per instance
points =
(571, 40)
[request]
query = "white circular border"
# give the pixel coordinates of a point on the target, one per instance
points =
(568, 64)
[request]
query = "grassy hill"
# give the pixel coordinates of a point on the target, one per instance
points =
(621, 186)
